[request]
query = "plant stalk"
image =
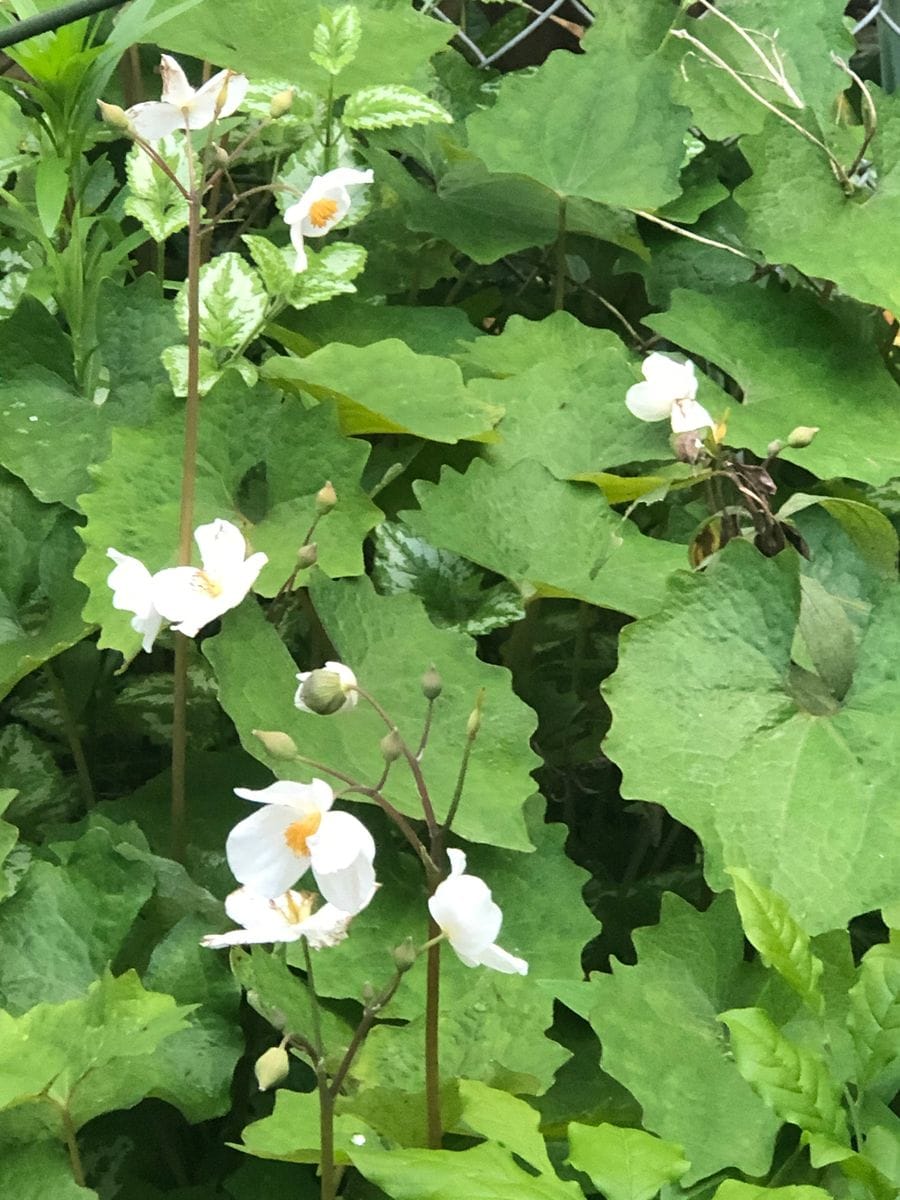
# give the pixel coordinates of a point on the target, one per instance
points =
(327, 1182)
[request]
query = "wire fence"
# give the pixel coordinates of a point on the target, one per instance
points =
(485, 43)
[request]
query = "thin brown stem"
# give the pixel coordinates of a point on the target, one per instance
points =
(413, 762)
(314, 997)
(460, 779)
(426, 731)
(327, 1181)
(370, 1012)
(432, 1037)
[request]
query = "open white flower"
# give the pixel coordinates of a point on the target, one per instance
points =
(181, 107)
(329, 689)
(132, 586)
(294, 831)
(191, 597)
(286, 918)
(470, 920)
(324, 203)
(669, 390)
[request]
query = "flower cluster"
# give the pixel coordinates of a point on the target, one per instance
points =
(186, 597)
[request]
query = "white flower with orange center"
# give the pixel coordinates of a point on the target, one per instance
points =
(464, 909)
(183, 107)
(324, 203)
(132, 586)
(191, 597)
(668, 390)
(286, 918)
(295, 831)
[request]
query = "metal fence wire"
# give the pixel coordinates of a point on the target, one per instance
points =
(508, 34)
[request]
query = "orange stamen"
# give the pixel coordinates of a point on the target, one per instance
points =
(321, 212)
(298, 831)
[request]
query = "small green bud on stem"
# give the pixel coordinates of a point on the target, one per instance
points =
(404, 955)
(323, 692)
(278, 744)
(775, 448)
(115, 116)
(802, 436)
(432, 684)
(391, 746)
(326, 498)
(307, 556)
(272, 1067)
(281, 103)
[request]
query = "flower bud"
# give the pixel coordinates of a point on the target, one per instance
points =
(368, 992)
(307, 555)
(115, 116)
(222, 156)
(324, 692)
(474, 722)
(802, 436)
(404, 955)
(774, 448)
(272, 1068)
(432, 684)
(391, 746)
(276, 743)
(281, 102)
(326, 498)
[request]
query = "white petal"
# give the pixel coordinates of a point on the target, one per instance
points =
(501, 960)
(247, 908)
(259, 855)
(345, 176)
(222, 548)
(314, 224)
(182, 595)
(339, 840)
(236, 586)
(326, 927)
(235, 91)
(457, 861)
(349, 682)
(463, 908)
(155, 119)
(688, 415)
(350, 889)
(175, 90)
(148, 627)
(131, 583)
(301, 261)
(304, 798)
(648, 403)
(676, 379)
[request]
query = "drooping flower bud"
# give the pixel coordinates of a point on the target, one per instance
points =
(391, 746)
(802, 436)
(276, 743)
(326, 498)
(281, 103)
(327, 690)
(307, 556)
(272, 1067)
(404, 955)
(115, 116)
(222, 156)
(432, 684)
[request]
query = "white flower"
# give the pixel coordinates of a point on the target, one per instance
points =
(295, 831)
(132, 586)
(324, 203)
(286, 918)
(191, 597)
(669, 390)
(181, 107)
(329, 689)
(470, 920)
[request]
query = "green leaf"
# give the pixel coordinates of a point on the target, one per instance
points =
(9, 835)
(506, 1120)
(870, 531)
(273, 263)
(51, 184)
(387, 388)
(152, 198)
(44, 793)
(875, 1016)
(604, 560)
(97, 892)
(134, 325)
(625, 1164)
(630, 158)
(40, 602)
(798, 365)
(791, 1079)
(240, 430)
(451, 588)
(390, 105)
(483, 1173)
(330, 273)
(389, 642)
(689, 1088)
(232, 303)
(781, 942)
(291, 1132)
(38, 1171)
(828, 633)
(335, 39)
(814, 767)
(733, 1189)
(79, 1056)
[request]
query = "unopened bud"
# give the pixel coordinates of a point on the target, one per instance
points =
(367, 992)
(276, 743)
(404, 955)
(272, 1068)
(115, 116)
(281, 102)
(222, 156)
(326, 498)
(774, 448)
(307, 555)
(391, 746)
(321, 692)
(432, 684)
(802, 436)
(474, 722)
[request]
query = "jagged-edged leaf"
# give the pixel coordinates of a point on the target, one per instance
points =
(335, 39)
(791, 1079)
(625, 1164)
(232, 303)
(291, 1132)
(153, 198)
(485, 1172)
(504, 1119)
(875, 1015)
(388, 105)
(781, 942)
